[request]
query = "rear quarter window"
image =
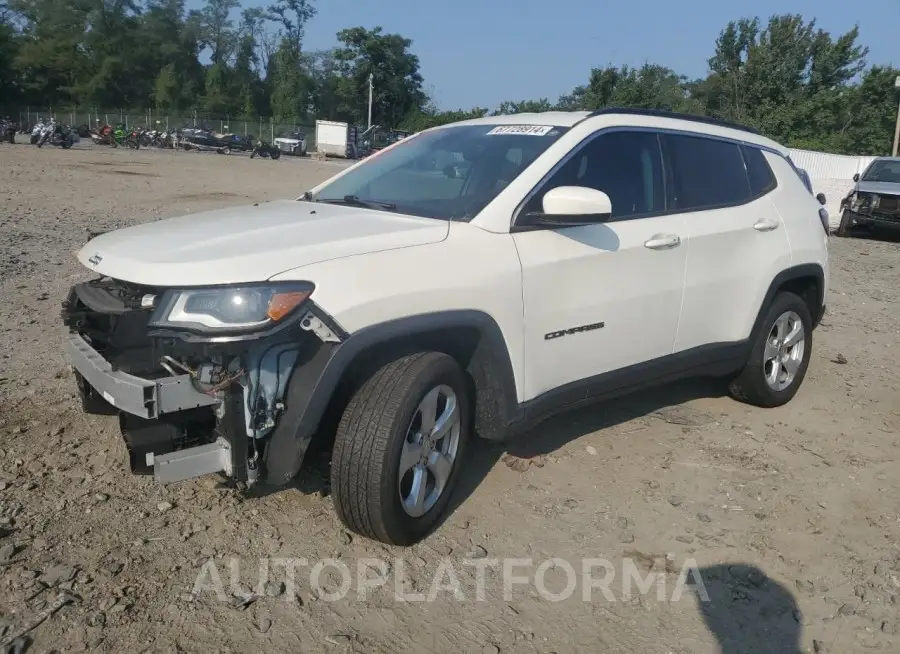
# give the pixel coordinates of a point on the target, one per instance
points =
(758, 171)
(707, 173)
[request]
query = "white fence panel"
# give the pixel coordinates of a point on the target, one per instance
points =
(822, 165)
(831, 174)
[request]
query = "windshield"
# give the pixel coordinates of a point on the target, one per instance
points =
(883, 170)
(450, 174)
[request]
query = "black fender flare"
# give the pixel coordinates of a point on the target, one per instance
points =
(318, 375)
(800, 271)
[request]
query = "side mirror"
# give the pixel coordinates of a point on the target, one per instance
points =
(856, 177)
(821, 198)
(569, 206)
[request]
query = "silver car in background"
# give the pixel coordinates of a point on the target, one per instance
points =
(875, 199)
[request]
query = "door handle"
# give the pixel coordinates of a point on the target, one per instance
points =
(766, 225)
(663, 242)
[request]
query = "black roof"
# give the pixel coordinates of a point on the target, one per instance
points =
(659, 113)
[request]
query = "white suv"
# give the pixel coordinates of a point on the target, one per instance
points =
(469, 279)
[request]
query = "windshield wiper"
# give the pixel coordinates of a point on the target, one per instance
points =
(356, 201)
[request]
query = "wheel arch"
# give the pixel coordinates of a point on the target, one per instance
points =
(321, 386)
(805, 280)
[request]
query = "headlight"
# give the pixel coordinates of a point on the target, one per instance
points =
(229, 309)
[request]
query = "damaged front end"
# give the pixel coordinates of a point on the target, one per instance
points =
(869, 207)
(199, 377)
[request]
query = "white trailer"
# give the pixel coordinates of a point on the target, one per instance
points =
(335, 139)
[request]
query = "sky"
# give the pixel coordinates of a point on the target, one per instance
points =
(482, 52)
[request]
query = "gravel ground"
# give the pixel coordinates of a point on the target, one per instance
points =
(791, 515)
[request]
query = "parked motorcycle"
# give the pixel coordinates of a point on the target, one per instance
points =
(57, 134)
(265, 150)
(8, 128)
(123, 136)
(102, 135)
(37, 131)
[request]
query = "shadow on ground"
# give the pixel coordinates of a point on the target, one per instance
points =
(545, 437)
(555, 433)
(748, 612)
(875, 233)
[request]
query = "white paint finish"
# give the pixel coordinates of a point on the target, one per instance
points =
(371, 267)
(251, 243)
(598, 273)
(730, 265)
(800, 212)
(575, 201)
(471, 269)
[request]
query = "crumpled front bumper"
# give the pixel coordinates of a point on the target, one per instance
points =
(145, 398)
(148, 399)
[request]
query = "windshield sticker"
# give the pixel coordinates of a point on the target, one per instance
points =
(530, 130)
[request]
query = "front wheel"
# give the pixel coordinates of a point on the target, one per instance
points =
(845, 224)
(779, 355)
(398, 448)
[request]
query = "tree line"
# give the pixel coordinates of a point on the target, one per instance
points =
(785, 76)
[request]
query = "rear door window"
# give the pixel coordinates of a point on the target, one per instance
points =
(707, 173)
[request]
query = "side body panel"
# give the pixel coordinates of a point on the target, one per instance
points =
(729, 268)
(583, 277)
(472, 270)
(799, 211)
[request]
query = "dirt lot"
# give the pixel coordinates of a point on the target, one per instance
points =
(792, 515)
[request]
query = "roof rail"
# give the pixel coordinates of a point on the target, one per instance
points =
(660, 113)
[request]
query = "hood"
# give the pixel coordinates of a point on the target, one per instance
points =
(250, 243)
(879, 188)
(288, 139)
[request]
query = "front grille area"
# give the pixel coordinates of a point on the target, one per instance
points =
(888, 204)
(888, 209)
(108, 314)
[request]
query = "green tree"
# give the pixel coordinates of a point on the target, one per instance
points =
(50, 56)
(166, 89)
(289, 85)
(523, 106)
(218, 33)
(10, 79)
(395, 71)
(216, 98)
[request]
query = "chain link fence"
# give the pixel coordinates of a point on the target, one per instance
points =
(260, 127)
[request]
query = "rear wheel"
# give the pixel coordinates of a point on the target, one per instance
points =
(779, 355)
(398, 448)
(276, 154)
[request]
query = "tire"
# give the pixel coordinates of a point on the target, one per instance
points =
(845, 224)
(371, 436)
(276, 154)
(751, 385)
